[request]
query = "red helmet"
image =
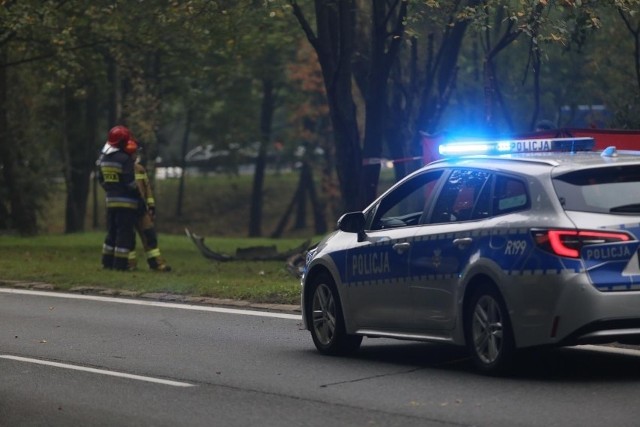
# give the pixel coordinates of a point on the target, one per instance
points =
(131, 147)
(118, 135)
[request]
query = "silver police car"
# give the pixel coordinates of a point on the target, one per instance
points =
(516, 247)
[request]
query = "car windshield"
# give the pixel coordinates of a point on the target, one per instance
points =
(613, 189)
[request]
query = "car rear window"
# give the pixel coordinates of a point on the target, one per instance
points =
(510, 195)
(614, 189)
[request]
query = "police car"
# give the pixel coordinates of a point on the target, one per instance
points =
(515, 247)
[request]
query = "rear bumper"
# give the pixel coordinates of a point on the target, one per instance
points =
(568, 310)
(625, 331)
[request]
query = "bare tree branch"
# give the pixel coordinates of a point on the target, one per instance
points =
(311, 36)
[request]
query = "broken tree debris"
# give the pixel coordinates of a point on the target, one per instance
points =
(254, 253)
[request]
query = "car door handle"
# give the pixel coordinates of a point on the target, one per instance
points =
(401, 247)
(462, 242)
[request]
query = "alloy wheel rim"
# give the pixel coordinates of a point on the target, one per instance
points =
(487, 329)
(324, 314)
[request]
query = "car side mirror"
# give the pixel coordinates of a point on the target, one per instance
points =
(352, 222)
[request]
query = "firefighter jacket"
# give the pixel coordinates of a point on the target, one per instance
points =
(116, 175)
(144, 186)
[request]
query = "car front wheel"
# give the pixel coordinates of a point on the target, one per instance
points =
(326, 320)
(488, 332)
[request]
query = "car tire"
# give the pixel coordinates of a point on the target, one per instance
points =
(488, 332)
(326, 320)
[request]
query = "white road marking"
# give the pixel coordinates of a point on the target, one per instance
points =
(97, 371)
(153, 303)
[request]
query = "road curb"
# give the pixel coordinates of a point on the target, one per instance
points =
(156, 296)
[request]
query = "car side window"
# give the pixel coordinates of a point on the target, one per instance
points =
(404, 205)
(482, 208)
(459, 195)
(510, 195)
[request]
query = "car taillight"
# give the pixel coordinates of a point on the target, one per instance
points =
(567, 243)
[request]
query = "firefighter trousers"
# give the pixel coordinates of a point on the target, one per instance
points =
(149, 238)
(120, 239)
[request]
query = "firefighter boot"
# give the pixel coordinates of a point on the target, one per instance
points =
(107, 256)
(156, 262)
(121, 263)
(121, 259)
(133, 262)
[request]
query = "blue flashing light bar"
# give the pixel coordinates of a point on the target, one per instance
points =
(510, 146)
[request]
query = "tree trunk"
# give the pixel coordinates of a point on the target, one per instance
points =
(114, 112)
(277, 233)
(319, 219)
(183, 160)
(440, 71)
(305, 185)
(335, 23)
(80, 157)
(114, 109)
(305, 182)
(489, 97)
(5, 221)
(401, 103)
(375, 94)
(22, 216)
(301, 207)
(386, 36)
(537, 69)
(266, 118)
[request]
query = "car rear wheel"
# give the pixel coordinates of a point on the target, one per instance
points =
(326, 320)
(488, 332)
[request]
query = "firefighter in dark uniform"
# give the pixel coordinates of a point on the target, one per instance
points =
(116, 174)
(146, 216)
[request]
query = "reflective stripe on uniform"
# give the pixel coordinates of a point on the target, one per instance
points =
(121, 202)
(129, 205)
(111, 166)
(153, 253)
(122, 253)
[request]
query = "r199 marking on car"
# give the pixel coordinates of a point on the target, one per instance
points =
(515, 247)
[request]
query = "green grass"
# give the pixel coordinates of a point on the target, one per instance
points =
(68, 261)
(216, 207)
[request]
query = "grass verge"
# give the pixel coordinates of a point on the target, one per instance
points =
(69, 261)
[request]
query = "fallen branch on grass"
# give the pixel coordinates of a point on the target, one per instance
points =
(254, 253)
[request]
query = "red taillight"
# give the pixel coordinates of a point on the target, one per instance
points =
(567, 243)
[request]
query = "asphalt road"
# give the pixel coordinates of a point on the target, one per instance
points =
(99, 362)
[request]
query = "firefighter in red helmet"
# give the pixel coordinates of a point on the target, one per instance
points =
(146, 216)
(116, 175)
(117, 134)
